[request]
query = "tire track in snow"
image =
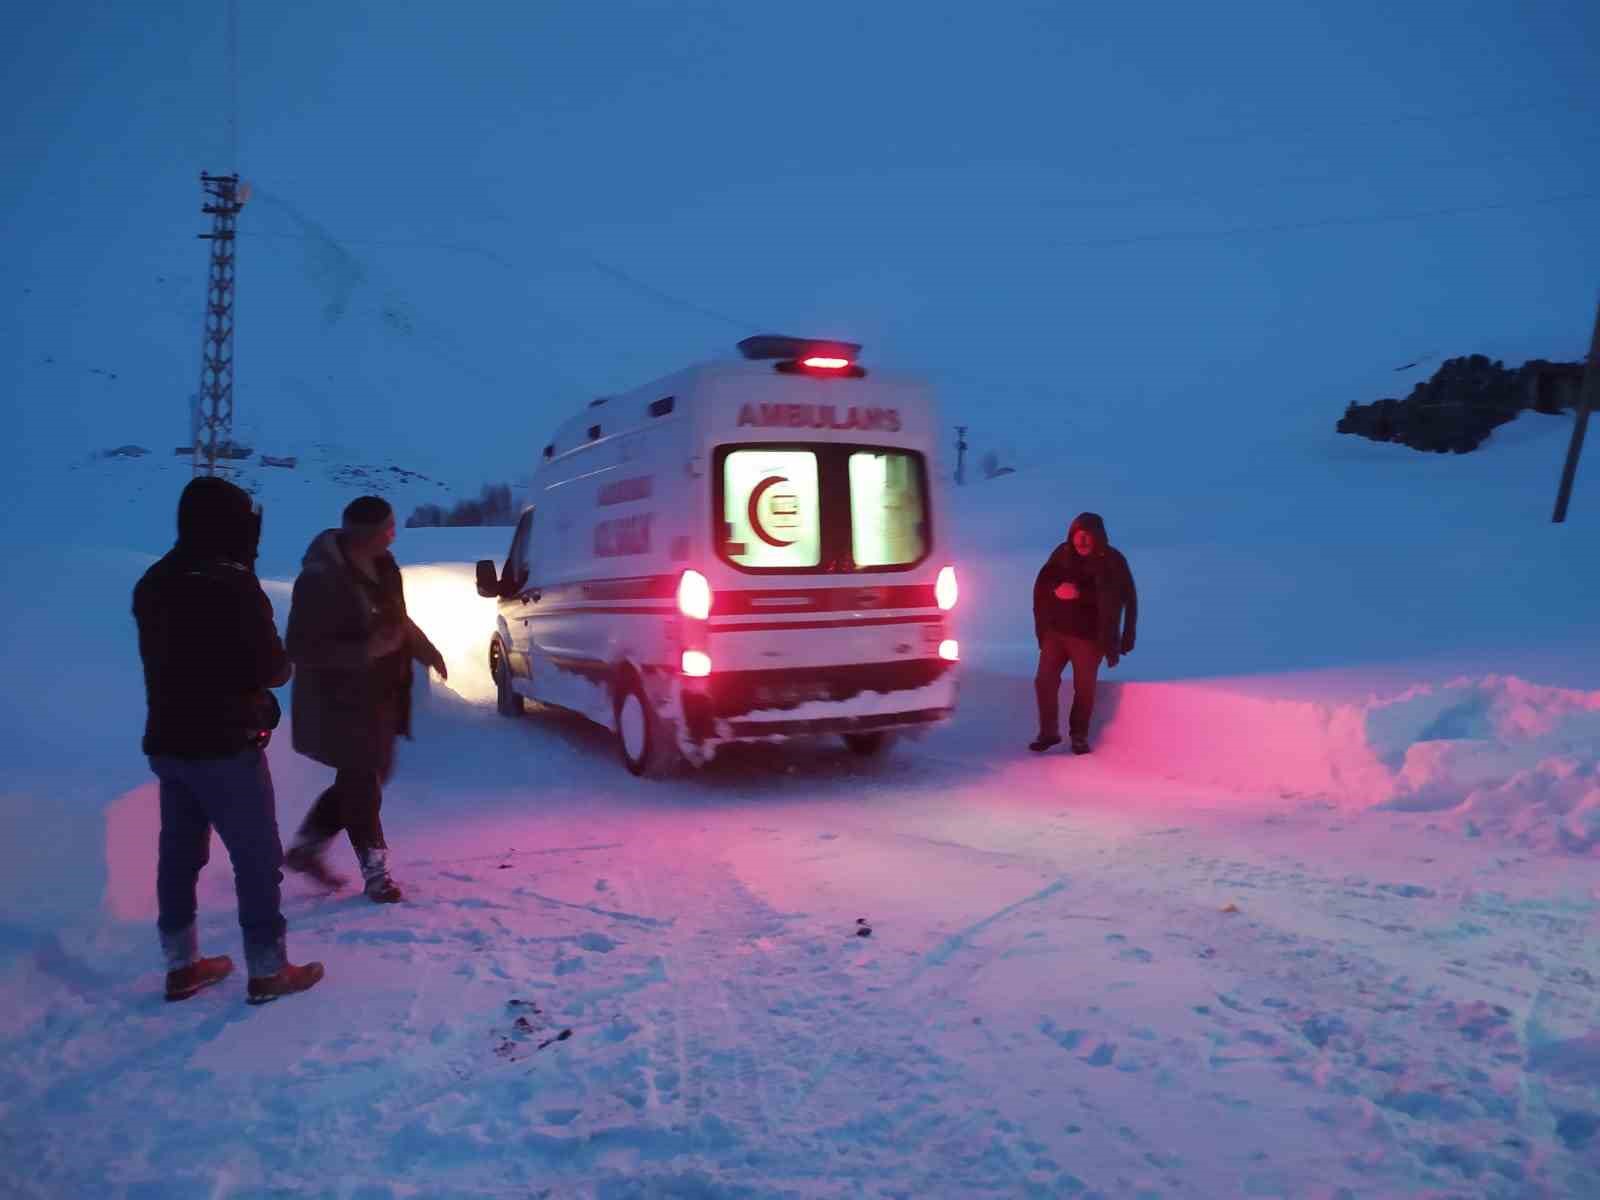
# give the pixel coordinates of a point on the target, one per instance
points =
(956, 942)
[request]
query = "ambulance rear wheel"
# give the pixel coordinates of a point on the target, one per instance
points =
(867, 744)
(506, 702)
(644, 738)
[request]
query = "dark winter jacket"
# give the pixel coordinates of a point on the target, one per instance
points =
(347, 706)
(1104, 575)
(206, 634)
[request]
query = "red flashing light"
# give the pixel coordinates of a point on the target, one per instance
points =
(819, 362)
(945, 590)
(950, 650)
(696, 664)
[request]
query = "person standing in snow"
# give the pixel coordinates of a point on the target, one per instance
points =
(352, 645)
(211, 653)
(1085, 609)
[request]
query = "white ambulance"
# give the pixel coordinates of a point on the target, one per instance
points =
(746, 550)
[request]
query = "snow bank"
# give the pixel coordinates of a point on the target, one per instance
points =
(1495, 754)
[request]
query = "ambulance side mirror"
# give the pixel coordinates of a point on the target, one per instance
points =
(488, 580)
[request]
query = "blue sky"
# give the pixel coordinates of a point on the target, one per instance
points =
(1080, 219)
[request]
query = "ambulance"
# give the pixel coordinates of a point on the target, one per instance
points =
(748, 550)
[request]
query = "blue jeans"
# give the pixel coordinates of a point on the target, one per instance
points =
(235, 796)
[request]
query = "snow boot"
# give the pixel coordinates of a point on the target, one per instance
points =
(305, 858)
(380, 888)
(1044, 741)
(1080, 745)
(288, 980)
(183, 982)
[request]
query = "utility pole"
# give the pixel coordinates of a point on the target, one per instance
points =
(961, 455)
(214, 432)
(1587, 399)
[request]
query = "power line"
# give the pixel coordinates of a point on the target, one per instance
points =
(1203, 235)
(1240, 135)
(1356, 172)
(666, 297)
(660, 295)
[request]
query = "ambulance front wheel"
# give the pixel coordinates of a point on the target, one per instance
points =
(867, 744)
(506, 702)
(644, 738)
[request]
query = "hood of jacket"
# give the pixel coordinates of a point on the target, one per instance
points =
(1095, 524)
(218, 519)
(325, 553)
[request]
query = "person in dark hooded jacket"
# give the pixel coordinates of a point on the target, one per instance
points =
(211, 653)
(1085, 609)
(352, 645)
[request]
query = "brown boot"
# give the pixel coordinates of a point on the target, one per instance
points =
(380, 886)
(305, 858)
(201, 973)
(288, 981)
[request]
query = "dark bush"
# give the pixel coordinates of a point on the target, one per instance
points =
(494, 506)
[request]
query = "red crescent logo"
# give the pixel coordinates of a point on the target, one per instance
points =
(753, 510)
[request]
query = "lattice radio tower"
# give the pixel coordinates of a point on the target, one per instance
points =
(213, 432)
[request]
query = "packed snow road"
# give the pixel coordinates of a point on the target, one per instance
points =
(960, 970)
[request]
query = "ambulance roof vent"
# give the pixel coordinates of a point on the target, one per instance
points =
(774, 345)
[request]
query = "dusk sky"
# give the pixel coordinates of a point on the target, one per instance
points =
(1076, 218)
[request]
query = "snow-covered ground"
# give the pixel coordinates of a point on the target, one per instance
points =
(1318, 918)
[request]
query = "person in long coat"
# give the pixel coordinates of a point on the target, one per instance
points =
(352, 645)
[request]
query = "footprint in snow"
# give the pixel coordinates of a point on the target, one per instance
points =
(1408, 891)
(1103, 1054)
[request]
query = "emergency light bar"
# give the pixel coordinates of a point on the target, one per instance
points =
(805, 356)
(765, 346)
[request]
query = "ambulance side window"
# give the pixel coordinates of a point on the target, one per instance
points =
(517, 559)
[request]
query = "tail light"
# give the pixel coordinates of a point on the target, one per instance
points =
(694, 595)
(950, 650)
(945, 590)
(696, 664)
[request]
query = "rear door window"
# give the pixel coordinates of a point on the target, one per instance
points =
(888, 517)
(771, 511)
(821, 508)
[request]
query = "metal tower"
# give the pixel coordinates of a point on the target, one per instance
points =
(214, 431)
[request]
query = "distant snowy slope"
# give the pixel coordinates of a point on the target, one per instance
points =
(1318, 552)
